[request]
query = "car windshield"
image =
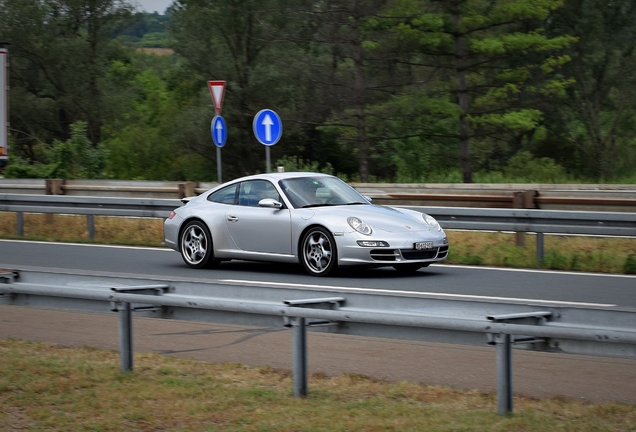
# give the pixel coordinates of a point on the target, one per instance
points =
(306, 192)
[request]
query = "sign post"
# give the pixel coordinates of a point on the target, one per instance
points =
(218, 127)
(268, 129)
(4, 105)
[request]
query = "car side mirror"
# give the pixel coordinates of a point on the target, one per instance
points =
(270, 203)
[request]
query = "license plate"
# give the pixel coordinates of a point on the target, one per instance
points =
(423, 245)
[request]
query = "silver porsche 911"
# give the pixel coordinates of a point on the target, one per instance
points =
(315, 219)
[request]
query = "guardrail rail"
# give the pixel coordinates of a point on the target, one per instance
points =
(581, 197)
(518, 220)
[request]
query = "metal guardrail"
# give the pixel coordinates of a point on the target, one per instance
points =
(562, 327)
(521, 220)
(585, 197)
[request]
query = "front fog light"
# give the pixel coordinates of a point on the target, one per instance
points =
(372, 243)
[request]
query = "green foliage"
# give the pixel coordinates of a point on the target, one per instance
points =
(630, 264)
(294, 164)
(139, 146)
(75, 158)
(548, 86)
(154, 40)
(20, 168)
(525, 166)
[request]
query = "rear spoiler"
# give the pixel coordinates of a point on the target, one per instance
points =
(186, 200)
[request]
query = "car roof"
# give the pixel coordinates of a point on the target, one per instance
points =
(280, 176)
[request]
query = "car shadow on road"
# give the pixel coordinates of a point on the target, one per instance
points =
(254, 267)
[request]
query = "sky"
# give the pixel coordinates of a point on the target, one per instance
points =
(154, 5)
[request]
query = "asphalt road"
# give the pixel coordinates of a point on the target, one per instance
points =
(618, 290)
(536, 374)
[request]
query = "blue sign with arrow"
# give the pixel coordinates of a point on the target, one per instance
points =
(219, 131)
(267, 127)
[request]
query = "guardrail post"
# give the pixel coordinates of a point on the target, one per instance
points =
(524, 200)
(54, 187)
(187, 189)
(518, 201)
(504, 374)
(90, 226)
(125, 311)
(299, 336)
(504, 352)
(299, 354)
(125, 337)
(20, 222)
(540, 248)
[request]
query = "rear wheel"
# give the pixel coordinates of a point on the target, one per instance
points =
(196, 245)
(318, 252)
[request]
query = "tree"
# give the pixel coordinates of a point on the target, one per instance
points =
(246, 47)
(599, 115)
(348, 68)
(491, 61)
(60, 50)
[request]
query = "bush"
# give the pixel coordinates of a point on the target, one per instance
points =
(524, 165)
(630, 264)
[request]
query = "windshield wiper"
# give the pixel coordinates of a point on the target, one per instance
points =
(316, 205)
(334, 204)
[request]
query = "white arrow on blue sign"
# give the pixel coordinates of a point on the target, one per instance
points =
(219, 131)
(267, 127)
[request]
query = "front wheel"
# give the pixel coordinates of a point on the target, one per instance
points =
(196, 245)
(318, 252)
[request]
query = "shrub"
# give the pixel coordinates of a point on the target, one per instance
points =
(630, 264)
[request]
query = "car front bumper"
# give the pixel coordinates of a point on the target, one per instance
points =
(401, 250)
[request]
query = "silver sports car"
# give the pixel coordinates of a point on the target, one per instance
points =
(315, 219)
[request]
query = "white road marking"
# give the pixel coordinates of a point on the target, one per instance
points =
(414, 293)
(526, 270)
(89, 244)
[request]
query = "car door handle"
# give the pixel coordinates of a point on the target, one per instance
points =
(232, 218)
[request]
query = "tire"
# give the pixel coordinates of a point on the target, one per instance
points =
(195, 244)
(318, 252)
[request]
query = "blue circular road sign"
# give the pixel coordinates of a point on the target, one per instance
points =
(267, 127)
(219, 131)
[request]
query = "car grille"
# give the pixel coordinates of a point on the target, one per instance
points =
(409, 254)
(384, 254)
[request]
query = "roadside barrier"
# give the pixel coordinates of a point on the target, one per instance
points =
(563, 327)
(517, 220)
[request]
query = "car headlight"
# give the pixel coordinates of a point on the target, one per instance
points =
(430, 220)
(359, 226)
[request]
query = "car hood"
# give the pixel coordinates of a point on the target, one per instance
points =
(380, 218)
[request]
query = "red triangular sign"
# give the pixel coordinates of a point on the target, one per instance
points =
(217, 91)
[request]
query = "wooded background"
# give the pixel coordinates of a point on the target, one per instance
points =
(370, 90)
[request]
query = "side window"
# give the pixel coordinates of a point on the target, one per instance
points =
(227, 195)
(251, 192)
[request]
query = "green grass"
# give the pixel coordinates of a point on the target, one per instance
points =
(572, 253)
(49, 387)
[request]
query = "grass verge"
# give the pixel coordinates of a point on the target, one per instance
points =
(575, 253)
(50, 387)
